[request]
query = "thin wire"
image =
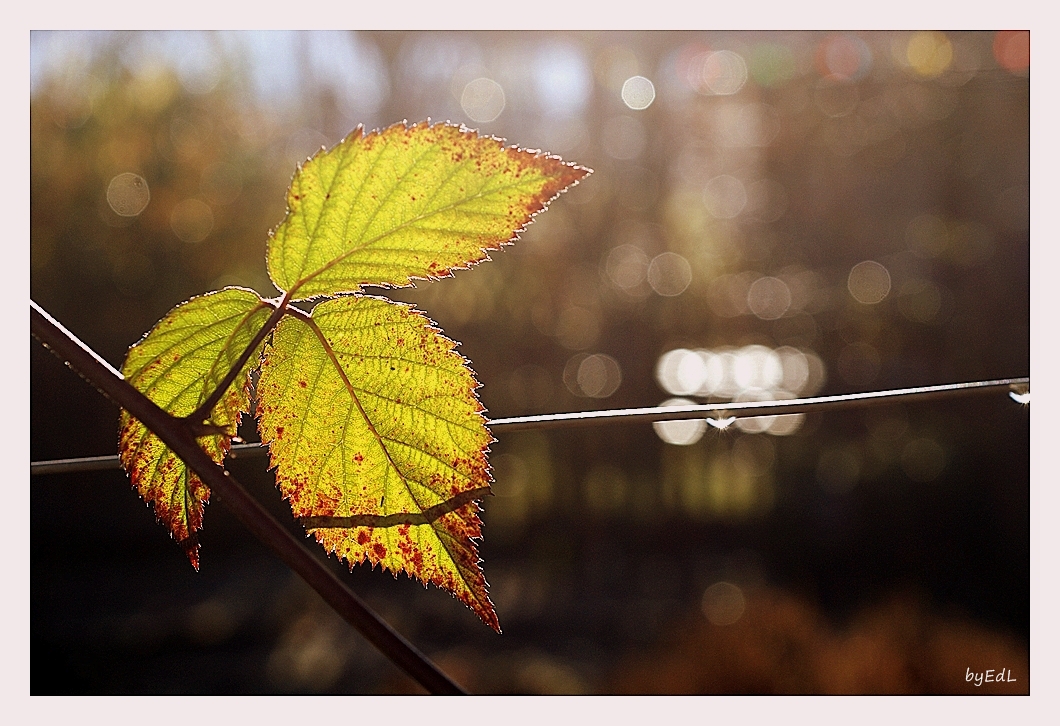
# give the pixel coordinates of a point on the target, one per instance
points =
(714, 413)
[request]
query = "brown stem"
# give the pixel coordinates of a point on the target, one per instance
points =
(205, 409)
(175, 434)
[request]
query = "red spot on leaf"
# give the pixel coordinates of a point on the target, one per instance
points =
(362, 537)
(379, 550)
(358, 457)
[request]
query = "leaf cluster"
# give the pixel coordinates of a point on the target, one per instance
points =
(375, 431)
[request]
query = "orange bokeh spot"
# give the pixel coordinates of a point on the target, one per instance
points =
(1012, 49)
(841, 58)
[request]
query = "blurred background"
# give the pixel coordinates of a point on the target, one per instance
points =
(772, 215)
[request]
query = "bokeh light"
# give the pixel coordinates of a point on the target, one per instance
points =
(869, 282)
(721, 73)
(482, 100)
(929, 52)
(724, 196)
(771, 64)
(723, 603)
(200, 67)
(627, 267)
(681, 371)
(669, 274)
(191, 220)
(920, 300)
(768, 298)
(748, 125)
(754, 424)
(681, 432)
(927, 235)
(72, 98)
(592, 376)
(1012, 50)
(128, 194)
(748, 373)
(638, 93)
(843, 58)
(757, 367)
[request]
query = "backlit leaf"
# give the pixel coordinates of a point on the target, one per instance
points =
(378, 440)
(374, 429)
(178, 365)
(404, 203)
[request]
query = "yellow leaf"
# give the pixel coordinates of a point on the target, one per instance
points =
(378, 440)
(178, 364)
(404, 203)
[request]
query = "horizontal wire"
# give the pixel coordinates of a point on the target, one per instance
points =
(718, 414)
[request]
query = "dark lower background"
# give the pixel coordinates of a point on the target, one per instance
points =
(893, 587)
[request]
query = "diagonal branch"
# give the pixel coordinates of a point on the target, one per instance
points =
(177, 436)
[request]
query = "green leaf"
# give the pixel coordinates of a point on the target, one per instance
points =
(405, 203)
(378, 440)
(178, 364)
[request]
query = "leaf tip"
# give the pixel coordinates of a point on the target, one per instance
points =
(191, 550)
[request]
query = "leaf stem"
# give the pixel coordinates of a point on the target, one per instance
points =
(175, 433)
(202, 413)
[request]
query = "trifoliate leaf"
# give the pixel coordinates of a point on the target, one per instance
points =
(178, 365)
(378, 440)
(404, 203)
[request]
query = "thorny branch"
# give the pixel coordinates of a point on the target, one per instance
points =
(178, 436)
